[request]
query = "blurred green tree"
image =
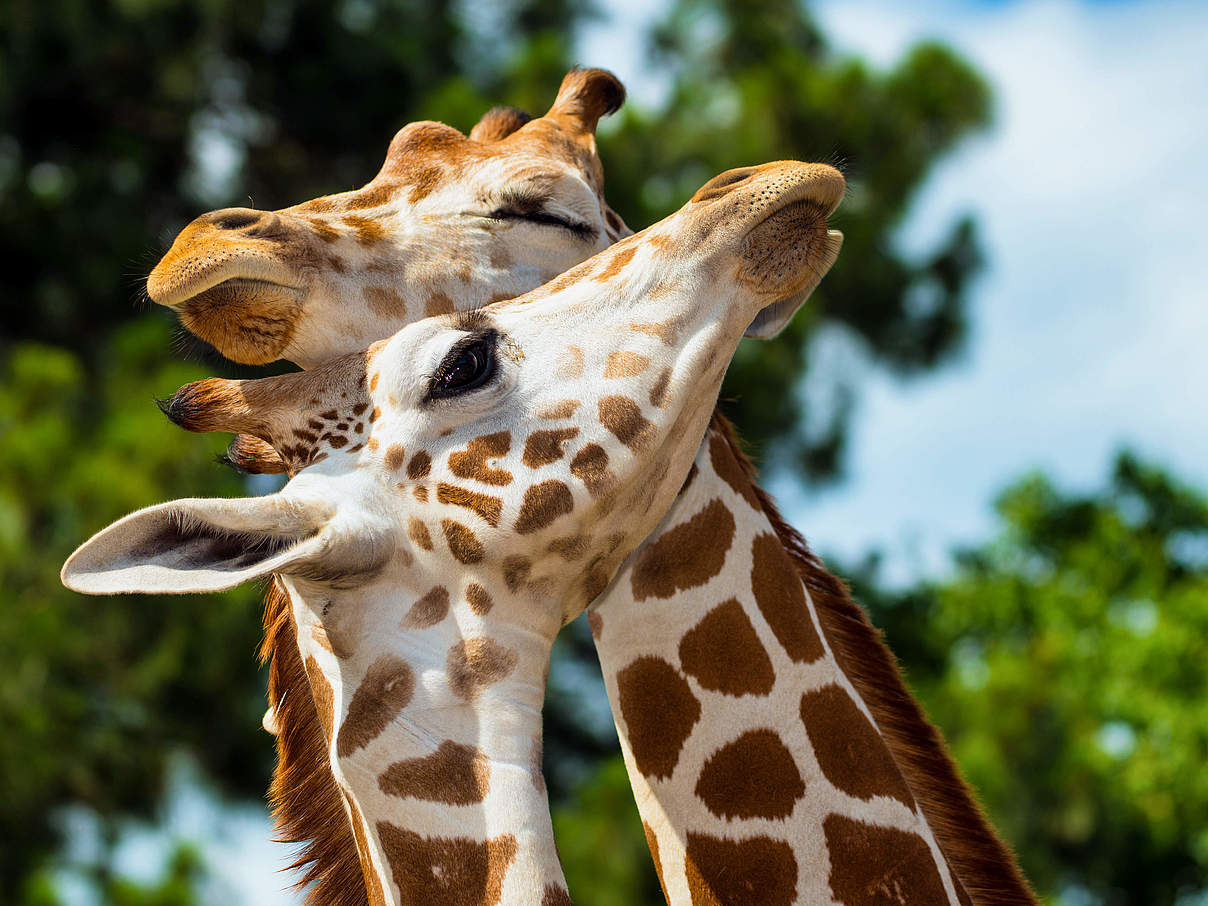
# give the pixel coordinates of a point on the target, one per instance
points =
(119, 122)
(98, 691)
(1067, 661)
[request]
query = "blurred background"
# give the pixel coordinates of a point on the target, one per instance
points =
(990, 417)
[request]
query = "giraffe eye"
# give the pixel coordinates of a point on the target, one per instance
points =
(469, 365)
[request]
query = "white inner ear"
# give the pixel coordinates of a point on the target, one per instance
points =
(193, 546)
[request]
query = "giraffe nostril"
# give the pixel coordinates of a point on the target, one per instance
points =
(233, 218)
(723, 183)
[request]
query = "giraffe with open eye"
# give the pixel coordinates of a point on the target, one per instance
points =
(450, 223)
(521, 460)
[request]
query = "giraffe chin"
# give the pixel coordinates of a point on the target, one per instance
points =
(806, 263)
(247, 320)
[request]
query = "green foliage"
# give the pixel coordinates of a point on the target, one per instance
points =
(1067, 662)
(177, 886)
(602, 845)
(98, 691)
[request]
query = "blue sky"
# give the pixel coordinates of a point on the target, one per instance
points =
(1090, 322)
(1089, 325)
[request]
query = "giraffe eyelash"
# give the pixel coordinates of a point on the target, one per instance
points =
(521, 204)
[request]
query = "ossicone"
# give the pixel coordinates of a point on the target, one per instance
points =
(588, 94)
(498, 123)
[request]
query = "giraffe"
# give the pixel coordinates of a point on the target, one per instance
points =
(475, 218)
(667, 308)
(656, 627)
(450, 221)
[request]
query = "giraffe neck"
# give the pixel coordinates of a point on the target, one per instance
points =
(774, 752)
(432, 722)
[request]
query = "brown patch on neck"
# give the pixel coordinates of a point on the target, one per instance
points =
(454, 774)
(307, 804)
(979, 860)
(447, 869)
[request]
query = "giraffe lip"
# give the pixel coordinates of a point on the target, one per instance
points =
(242, 286)
(162, 289)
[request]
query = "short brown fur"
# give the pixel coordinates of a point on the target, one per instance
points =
(304, 797)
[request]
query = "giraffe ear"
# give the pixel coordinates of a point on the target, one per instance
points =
(498, 123)
(586, 95)
(252, 456)
(773, 319)
(198, 545)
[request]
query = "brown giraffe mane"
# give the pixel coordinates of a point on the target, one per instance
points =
(977, 856)
(303, 795)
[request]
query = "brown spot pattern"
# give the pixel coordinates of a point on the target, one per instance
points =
(570, 364)
(561, 409)
(474, 664)
(395, 454)
(652, 843)
(781, 599)
(479, 599)
(387, 688)
(667, 331)
(570, 548)
(438, 304)
(881, 866)
(740, 872)
(624, 364)
(754, 776)
(325, 700)
(725, 655)
(851, 753)
(447, 869)
(623, 417)
(545, 446)
(420, 466)
(428, 610)
(658, 392)
(384, 302)
(418, 533)
(542, 504)
(319, 634)
(730, 470)
(454, 774)
(659, 710)
(485, 505)
(590, 466)
(686, 556)
(555, 896)
(472, 461)
(463, 543)
(616, 263)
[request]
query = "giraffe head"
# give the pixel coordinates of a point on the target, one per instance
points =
(533, 443)
(449, 222)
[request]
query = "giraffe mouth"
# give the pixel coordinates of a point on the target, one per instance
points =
(248, 320)
(786, 254)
